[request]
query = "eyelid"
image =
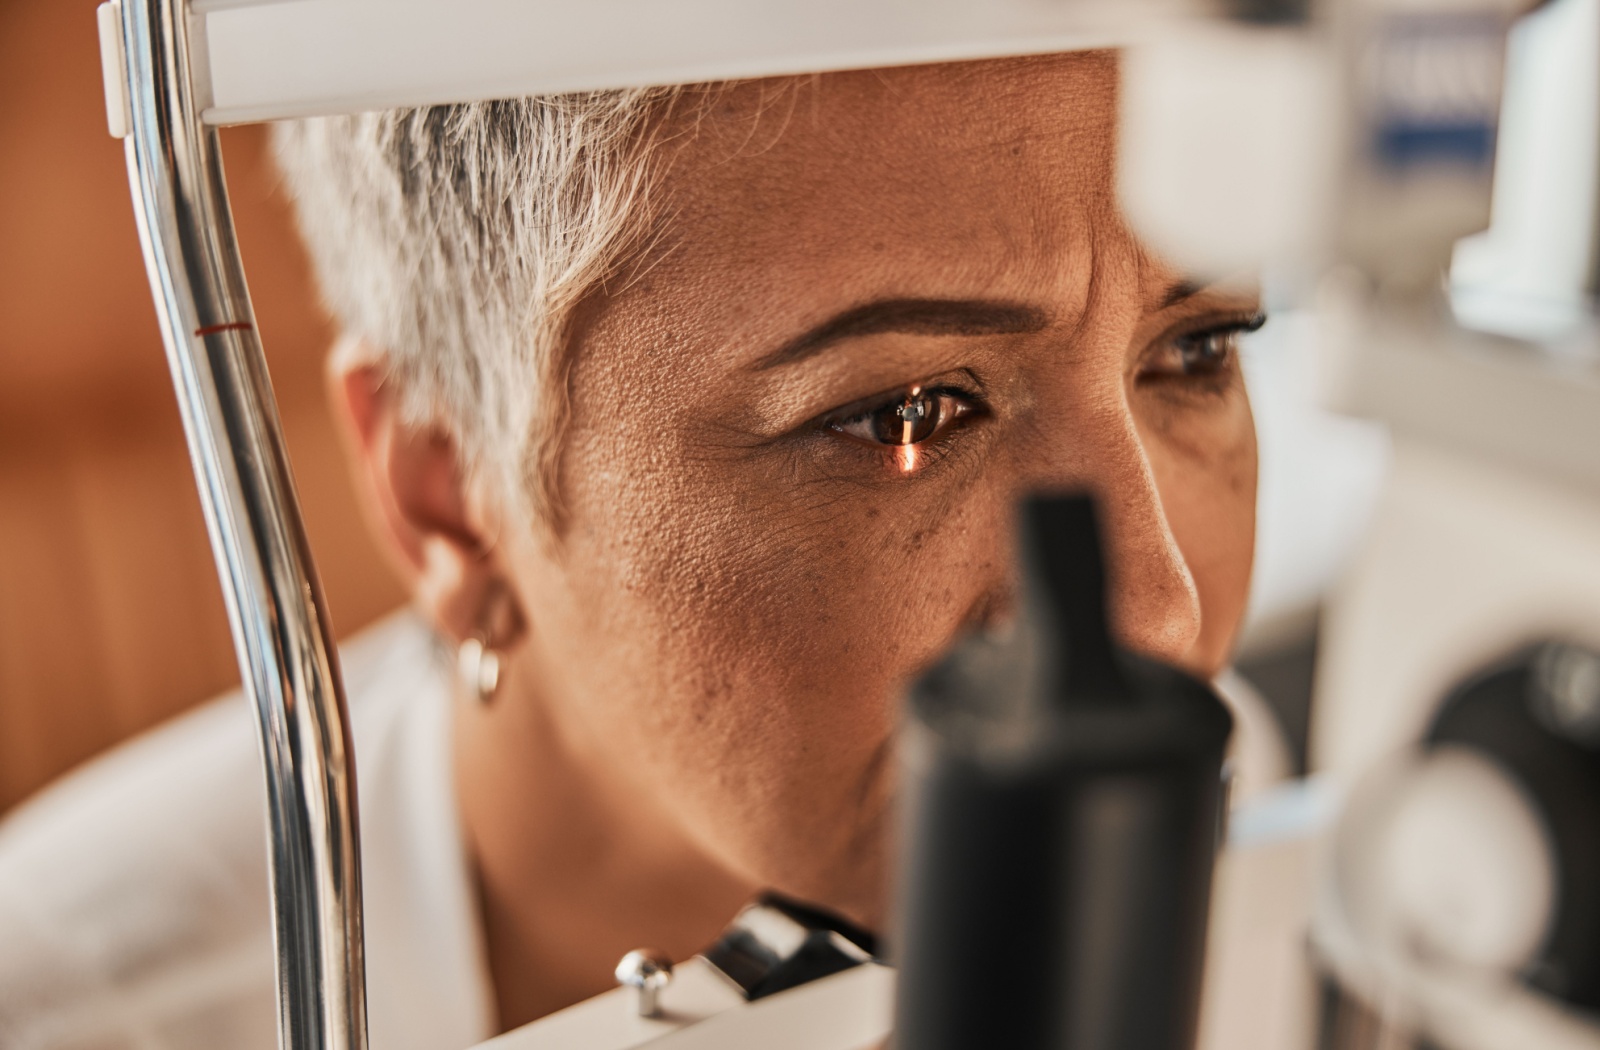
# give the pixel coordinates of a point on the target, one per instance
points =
(1239, 324)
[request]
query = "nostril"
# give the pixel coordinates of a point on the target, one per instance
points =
(993, 610)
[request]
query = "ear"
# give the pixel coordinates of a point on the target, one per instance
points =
(417, 495)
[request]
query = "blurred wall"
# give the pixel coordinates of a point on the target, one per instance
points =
(110, 616)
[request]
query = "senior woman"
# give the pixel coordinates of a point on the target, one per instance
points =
(694, 419)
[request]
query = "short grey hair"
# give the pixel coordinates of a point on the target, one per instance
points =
(459, 239)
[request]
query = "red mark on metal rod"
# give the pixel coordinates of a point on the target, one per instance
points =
(231, 326)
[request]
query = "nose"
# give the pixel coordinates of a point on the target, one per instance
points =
(1155, 605)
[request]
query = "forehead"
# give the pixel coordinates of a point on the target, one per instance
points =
(992, 151)
(785, 200)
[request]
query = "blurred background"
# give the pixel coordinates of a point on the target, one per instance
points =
(111, 618)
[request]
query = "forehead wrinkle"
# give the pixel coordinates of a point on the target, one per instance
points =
(1104, 236)
(1023, 258)
(737, 109)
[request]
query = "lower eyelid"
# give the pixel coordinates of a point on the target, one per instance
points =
(928, 452)
(1206, 387)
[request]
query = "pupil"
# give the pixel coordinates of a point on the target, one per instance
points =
(907, 422)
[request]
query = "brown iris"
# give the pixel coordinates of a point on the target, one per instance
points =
(908, 421)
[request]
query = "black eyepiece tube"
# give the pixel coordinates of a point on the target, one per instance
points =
(1063, 807)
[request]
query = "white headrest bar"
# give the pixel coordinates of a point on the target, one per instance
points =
(273, 59)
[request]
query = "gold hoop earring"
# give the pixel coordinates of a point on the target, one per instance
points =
(479, 668)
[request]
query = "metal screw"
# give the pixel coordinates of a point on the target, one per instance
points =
(647, 973)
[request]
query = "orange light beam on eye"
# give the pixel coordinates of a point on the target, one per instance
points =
(908, 451)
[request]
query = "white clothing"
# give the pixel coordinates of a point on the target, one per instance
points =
(134, 908)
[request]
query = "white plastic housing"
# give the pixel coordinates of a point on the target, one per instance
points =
(1230, 142)
(272, 59)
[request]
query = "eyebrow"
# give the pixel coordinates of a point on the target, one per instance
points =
(914, 316)
(1179, 291)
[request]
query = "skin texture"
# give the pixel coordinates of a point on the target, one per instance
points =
(702, 667)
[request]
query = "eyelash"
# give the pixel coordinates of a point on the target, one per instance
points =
(1215, 370)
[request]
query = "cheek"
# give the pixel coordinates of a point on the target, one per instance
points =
(742, 624)
(1205, 468)
(802, 608)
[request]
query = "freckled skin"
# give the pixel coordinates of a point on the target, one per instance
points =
(706, 688)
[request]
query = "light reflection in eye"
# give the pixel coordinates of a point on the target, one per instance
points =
(904, 423)
(910, 414)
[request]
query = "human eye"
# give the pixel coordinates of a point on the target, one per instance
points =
(908, 424)
(1200, 357)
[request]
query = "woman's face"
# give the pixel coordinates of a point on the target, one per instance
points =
(881, 306)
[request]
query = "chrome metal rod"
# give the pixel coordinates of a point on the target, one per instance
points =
(275, 604)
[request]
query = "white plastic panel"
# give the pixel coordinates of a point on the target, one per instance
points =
(610, 1020)
(272, 59)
